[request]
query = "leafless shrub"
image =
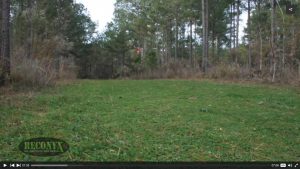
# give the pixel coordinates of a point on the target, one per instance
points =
(225, 71)
(33, 72)
(40, 71)
(288, 75)
(170, 70)
(67, 68)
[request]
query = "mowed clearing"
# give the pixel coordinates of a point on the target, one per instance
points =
(159, 120)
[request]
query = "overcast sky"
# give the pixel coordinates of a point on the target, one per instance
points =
(101, 12)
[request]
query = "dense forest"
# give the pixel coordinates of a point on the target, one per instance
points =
(43, 40)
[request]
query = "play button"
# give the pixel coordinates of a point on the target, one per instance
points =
(4, 165)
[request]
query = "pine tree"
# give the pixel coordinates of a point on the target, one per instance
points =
(5, 43)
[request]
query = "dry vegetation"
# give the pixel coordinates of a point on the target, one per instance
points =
(220, 72)
(36, 72)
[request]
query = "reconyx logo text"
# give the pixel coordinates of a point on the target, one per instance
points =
(44, 146)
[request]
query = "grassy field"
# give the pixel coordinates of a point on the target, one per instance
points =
(163, 120)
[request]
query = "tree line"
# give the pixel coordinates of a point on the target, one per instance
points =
(154, 36)
(38, 35)
(205, 35)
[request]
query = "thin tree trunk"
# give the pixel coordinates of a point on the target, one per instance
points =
(144, 50)
(5, 43)
(273, 47)
(234, 26)
(213, 44)
(176, 32)
(217, 48)
(260, 39)
(195, 37)
(176, 38)
(0, 36)
(299, 69)
(249, 38)
(237, 30)
(166, 50)
(283, 51)
(168, 41)
(191, 42)
(283, 48)
(231, 25)
(237, 23)
(260, 49)
(29, 47)
(158, 56)
(205, 34)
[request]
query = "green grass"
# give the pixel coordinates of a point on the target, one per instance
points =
(162, 120)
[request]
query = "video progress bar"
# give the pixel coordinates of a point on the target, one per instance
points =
(50, 165)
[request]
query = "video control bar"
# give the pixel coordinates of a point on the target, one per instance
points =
(150, 165)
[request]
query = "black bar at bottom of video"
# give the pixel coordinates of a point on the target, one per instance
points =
(154, 165)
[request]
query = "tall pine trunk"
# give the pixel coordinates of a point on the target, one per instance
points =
(234, 25)
(260, 39)
(29, 43)
(195, 37)
(176, 35)
(205, 34)
(5, 43)
(237, 30)
(231, 25)
(273, 47)
(191, 42)
(249, 38)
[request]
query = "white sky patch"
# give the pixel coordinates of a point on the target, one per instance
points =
(101, 11)
(244, 21)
